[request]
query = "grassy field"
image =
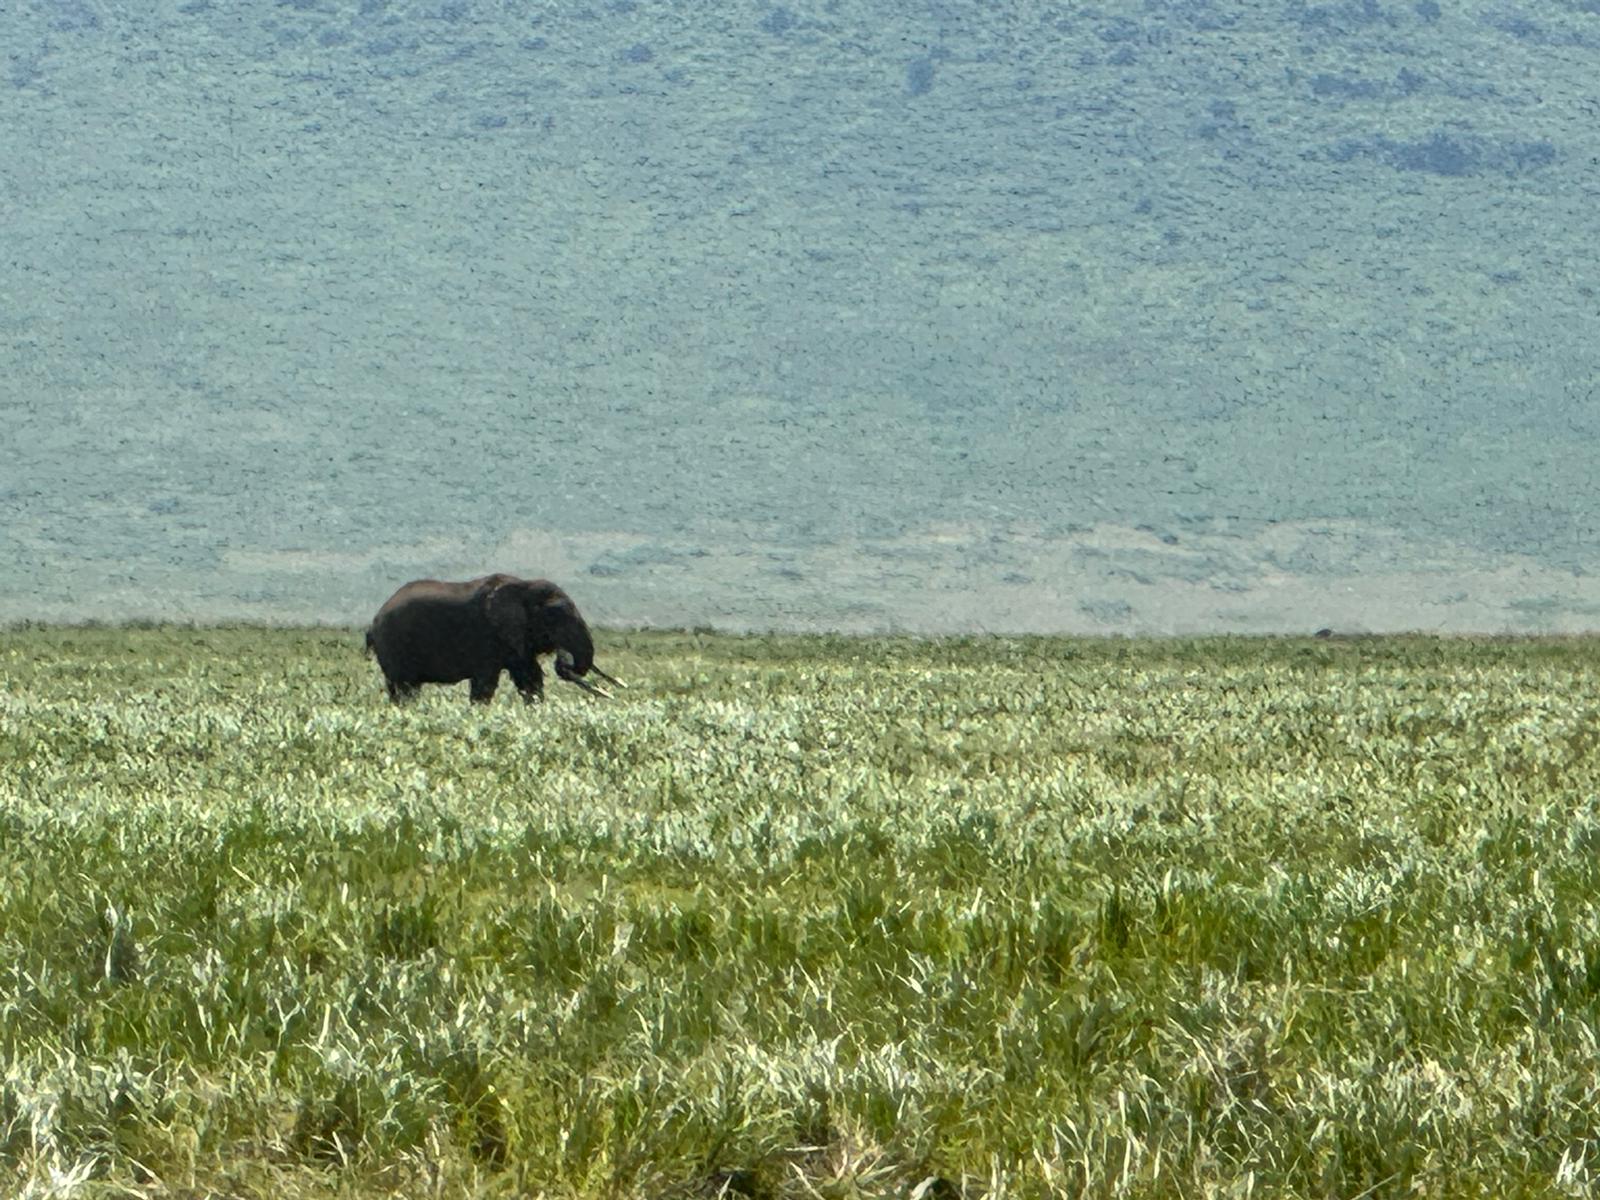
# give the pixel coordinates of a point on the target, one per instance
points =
(801, 917)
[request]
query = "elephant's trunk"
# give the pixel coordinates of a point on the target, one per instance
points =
(577, 659)
(581, 647)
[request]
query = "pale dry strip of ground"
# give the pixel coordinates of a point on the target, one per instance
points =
(1011, 577)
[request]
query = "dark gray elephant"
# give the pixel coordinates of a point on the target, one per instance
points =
(431, 631)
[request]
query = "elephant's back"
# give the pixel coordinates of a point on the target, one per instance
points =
(431, 630)
(437, 606)
(424, 593)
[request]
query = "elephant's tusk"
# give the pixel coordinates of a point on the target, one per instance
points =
(611, 679)
(587, 686)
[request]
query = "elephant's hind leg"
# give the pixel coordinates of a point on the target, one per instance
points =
(402, 693)
(529, 678)
(483, 687)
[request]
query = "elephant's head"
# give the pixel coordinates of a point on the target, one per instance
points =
(533, 617)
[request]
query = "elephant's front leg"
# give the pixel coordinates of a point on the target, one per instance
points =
(483, 686)
(529, 678)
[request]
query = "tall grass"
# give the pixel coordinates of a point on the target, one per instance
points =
(801, 916)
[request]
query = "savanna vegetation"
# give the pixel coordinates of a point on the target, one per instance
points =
(801, 917)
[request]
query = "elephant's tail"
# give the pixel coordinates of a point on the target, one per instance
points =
(371, 649)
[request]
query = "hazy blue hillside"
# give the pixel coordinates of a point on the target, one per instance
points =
(1143, 317)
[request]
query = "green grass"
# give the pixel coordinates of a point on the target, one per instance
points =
(799, 917)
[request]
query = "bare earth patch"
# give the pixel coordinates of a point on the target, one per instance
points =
(1210, 577)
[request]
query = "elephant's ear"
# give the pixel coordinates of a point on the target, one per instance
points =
(549, 610)
(507, 611)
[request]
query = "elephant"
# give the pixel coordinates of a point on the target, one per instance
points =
(432, 631)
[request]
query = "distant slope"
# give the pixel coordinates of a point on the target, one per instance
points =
(303, 301)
